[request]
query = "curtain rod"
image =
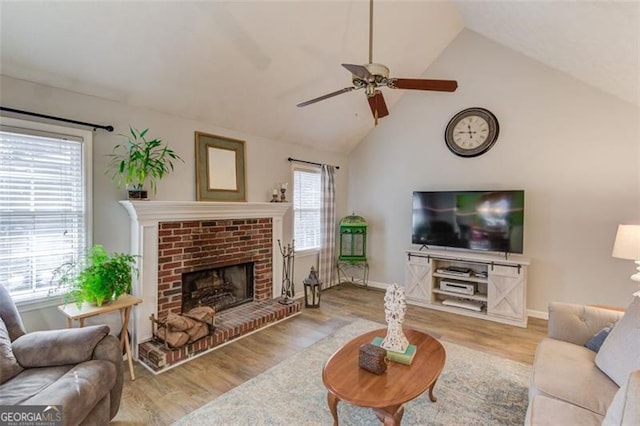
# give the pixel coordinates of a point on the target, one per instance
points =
(309, 162)
(50, 117)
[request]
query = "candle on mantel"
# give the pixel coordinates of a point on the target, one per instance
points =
(275, 192)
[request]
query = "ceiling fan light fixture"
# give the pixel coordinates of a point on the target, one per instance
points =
(377, 70)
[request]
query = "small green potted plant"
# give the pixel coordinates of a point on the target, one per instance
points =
(97, 278)
(140, 161)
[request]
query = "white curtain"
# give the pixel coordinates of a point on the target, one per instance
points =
(326, 262)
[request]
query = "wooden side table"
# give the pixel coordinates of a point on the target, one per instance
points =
(123, 304)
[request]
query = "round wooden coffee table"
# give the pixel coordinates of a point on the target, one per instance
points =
(387, 393)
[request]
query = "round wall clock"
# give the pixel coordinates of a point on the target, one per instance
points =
(471, 132)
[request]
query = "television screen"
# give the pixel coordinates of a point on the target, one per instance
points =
(474, 220)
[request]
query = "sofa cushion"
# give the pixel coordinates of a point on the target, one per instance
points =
(618, 356)
(545, 411)
(567, 372)
(29, 383)
(9, 366)
(79, 390)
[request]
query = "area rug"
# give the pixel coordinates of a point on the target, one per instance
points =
(474, 389)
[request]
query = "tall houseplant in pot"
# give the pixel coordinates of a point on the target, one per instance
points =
(140, 161)
(97, 278)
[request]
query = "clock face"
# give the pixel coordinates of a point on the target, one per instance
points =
(471, 132)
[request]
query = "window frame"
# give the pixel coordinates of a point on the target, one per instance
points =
(308, 169)
(42, 299)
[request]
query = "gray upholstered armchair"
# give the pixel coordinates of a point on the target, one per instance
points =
(79, 368)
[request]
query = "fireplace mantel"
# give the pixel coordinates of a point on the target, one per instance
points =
(160, 211)
(145, 217)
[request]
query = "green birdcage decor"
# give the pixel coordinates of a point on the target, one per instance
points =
(353, 239)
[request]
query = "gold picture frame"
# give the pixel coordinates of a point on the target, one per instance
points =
(220, 168)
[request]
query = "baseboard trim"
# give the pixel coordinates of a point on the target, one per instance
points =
(538, 314)
(376, 284)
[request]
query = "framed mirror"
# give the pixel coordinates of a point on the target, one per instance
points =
(220, 168)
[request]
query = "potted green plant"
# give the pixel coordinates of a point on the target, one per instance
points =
(140, 161)
(97, 278)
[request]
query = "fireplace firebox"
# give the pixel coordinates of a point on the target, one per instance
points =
(221, 287)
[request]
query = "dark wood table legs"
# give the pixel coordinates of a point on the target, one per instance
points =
(431, 396)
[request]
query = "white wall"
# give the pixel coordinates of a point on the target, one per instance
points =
(572, 148)
(266, 164)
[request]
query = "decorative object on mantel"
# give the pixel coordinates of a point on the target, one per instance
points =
(140, 161)
(627, 246)
(220, 168)
(178, 330)
(312, 287)
(282, 189)
(395, 308)
(288, 258)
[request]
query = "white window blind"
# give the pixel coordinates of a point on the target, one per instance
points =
(43, 208)
(306, 209)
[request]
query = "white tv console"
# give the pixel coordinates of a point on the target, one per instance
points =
(500, 282)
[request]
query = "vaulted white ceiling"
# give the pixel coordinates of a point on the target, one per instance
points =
(245, 65)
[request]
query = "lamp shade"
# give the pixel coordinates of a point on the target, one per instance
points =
(627, 244)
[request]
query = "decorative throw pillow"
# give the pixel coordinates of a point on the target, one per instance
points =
(595, 343)
(9, 366)
(619, 354)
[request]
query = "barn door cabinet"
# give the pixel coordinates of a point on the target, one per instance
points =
(480, 285)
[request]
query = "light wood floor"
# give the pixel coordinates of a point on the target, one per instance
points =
(162, 399)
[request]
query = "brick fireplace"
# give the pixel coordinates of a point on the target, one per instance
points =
(186, 247)
(178, 239)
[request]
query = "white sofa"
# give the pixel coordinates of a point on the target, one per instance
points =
(568, 386)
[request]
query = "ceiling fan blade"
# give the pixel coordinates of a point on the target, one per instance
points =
(327, 96)
(421, 84)
(358, 70)
(378, 105)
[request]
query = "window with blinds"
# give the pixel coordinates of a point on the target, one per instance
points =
(43, 208)
(306, 209)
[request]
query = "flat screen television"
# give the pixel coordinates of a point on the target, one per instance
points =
(473, 220)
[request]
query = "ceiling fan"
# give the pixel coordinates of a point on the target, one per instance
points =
(371, 76)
